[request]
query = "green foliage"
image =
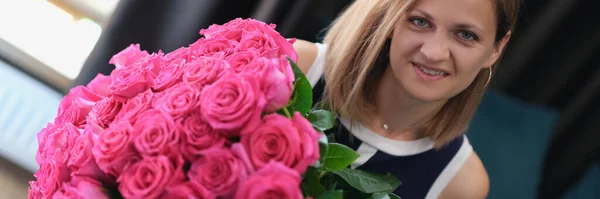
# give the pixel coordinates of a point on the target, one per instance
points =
(331, 177)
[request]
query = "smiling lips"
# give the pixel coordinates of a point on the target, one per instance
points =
(427, 73)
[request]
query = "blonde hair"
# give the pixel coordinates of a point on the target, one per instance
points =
(363, 28)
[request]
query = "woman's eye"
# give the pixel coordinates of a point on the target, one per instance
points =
(467, 36)
(422, 23)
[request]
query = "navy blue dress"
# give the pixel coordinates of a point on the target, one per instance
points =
(423, 170)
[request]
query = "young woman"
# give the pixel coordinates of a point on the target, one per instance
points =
(404, 78)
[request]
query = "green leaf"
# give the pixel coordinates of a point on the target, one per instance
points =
(369, 182)
(338, 157)
(351, 193)
(393, 196)
(321, 119)
(331, 138)
(311, 185)
(323, 147)
(380, 196)
(337, 194)
(301, 99)
(329, 181)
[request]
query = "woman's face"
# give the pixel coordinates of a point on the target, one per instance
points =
(439, 46)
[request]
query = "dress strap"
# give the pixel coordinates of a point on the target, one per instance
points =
(451, 169)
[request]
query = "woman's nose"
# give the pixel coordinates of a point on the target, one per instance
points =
(435, 49)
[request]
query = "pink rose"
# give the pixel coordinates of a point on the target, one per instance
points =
(34, 191)
(234, 35)
(128, 56)
(156, 133)
(182, 52)
(82, 161)
(253, 25)
(256, 40)
(277, 84)
(50, 128)
(178, 163)
(284, 45)
(235, 23)
(219, 170)
(235, 26)
(257, 65)
(204, 70)
(153, 64)
(238, 150)
(93, 129)
(180, 100)
(81, 188)
(210, 47)
(157, 99)
(100, 85)
(75, 106)
(130, 81)
(279, 139)
(104, 112)
(67, 101)
(275, 180)
(75, 115)
(54, 137)
(215, 30)
(212, 30)
(310, 141)
(187, 190)
(239, 60)
(218, 55)
(148, 178)
(198, 136)
(114, 150)
(53, 173)
(277, 80)
(169, 75)
(233, 103)
(230, 33)
(231, 30)
(134, 106)
(286, 68)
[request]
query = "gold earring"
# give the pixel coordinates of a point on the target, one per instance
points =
(486, 83)
(489, 77)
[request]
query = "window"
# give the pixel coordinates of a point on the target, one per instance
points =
(57, 34)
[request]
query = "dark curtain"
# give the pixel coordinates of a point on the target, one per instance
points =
(553, 59)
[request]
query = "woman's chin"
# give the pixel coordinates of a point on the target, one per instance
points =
(427, 95)
(429, 99)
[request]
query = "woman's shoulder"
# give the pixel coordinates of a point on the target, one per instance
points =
(471, 181)
(311, 59)
(307, 54)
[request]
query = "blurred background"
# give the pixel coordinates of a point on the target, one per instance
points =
(536, 129)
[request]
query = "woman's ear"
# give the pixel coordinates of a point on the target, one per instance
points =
(498, 49)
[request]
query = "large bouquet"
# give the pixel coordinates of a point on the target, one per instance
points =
(229, 116)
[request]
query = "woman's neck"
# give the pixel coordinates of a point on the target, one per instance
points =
(402, 114)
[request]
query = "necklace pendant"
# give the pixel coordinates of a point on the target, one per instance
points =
(385, 126)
